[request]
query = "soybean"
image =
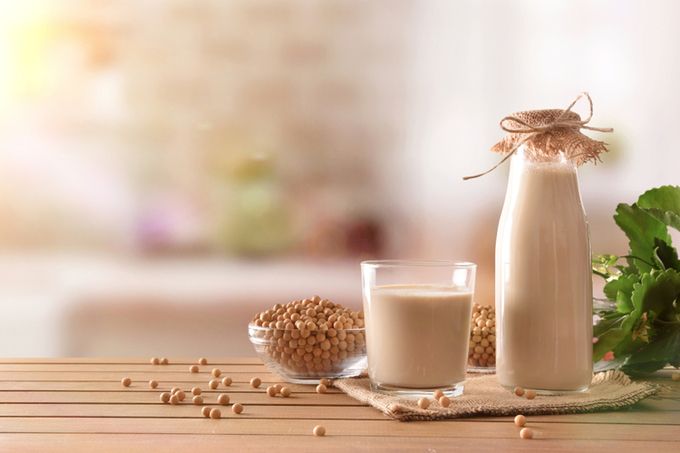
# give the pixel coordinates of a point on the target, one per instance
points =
(423, 403)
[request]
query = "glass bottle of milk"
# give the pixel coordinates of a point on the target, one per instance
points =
(543, 279)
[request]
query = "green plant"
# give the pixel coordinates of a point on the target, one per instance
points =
(641, 328)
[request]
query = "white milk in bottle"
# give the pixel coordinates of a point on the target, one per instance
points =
(543, 279)
(544, 300)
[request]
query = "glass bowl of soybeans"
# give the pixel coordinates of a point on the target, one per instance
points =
(310, 339)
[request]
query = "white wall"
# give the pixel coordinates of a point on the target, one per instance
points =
(477, 61)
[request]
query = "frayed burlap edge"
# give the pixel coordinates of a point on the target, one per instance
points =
(483, 396)
(549, 134)
(546, 145)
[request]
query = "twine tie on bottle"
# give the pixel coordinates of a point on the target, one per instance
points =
(548, 132)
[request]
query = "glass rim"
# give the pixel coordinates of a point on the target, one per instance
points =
(419, 263)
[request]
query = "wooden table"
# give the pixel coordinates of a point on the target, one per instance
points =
(80, 405)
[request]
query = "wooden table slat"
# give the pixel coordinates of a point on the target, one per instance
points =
(137, 376)
(152, 397)
(241, 386)
(215, 442)
(226, 368)
(255, 426)
(212, 361)
(304, 412)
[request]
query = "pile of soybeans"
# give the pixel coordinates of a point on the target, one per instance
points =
(482, 351)
(311, 337)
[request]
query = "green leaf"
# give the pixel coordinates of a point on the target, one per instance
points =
(656, 292)
(643, 368)
(641, 228)
(620, 289)
(663, 203)
(669, 218)
(643, 330)
(623, 302)
(608, 342)
(602, 365)
(605, 265)
(610, 332)
(651, 357)
(633, 330)
(666, 255)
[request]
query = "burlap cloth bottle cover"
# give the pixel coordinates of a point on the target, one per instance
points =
(544, 133)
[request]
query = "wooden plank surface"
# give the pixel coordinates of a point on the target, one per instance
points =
(79, 405)
(145, 443)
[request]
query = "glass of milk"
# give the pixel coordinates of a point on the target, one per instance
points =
(417, 316)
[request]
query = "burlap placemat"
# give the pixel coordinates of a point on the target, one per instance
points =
(483, 396)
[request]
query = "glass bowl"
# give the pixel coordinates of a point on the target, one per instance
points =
(332, 354)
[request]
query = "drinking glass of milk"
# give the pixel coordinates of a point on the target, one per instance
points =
(417, 316)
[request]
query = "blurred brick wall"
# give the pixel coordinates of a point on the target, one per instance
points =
(167, 91)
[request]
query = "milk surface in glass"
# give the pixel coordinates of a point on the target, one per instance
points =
(417, 335)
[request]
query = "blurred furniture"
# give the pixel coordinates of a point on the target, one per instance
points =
(85, 306)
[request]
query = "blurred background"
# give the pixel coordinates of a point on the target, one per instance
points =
(170, 167)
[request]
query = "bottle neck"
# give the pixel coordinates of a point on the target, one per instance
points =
(556, 176)
(525, 157)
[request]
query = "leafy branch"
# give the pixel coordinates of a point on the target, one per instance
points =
(642, 329)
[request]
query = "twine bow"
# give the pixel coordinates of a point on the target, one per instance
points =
(531, 131)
